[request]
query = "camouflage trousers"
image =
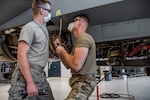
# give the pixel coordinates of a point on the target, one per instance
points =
(18, 84)
(81, 87)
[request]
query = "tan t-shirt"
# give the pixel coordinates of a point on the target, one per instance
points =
(87, 41)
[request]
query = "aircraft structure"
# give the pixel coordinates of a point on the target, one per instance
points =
(120, 28)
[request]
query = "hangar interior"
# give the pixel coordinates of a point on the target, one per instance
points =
(120, 28)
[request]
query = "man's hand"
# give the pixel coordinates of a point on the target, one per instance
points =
(32, 90)
(60, 50)
(57, 42)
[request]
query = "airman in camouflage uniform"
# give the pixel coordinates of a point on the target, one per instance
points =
(29, 80)
(82, 61)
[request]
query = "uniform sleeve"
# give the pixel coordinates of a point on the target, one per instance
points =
(27, 35)
(83, 41)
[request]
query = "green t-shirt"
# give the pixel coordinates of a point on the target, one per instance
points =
(36, 35)
(87, 41)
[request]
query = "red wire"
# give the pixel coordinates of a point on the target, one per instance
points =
(137, 48)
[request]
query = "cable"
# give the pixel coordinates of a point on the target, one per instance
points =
(129, 96)
(116, 95)
(103, 77)
(110, 95)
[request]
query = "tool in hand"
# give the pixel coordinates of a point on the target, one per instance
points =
(24, 93)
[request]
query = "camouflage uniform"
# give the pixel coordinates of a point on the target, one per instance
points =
(18, 84)
(82, 86)
(83, 82)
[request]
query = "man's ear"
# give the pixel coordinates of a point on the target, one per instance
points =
(80, 22)
(41, 11)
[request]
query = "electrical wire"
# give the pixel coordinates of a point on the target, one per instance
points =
(129, 96)
(116, 95)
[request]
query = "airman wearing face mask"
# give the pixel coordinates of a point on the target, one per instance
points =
(81, 61)
(29, 80)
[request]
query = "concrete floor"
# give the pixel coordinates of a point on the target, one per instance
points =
(139, 87)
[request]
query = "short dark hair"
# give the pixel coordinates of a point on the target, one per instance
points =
(38, 3)
(84, 17)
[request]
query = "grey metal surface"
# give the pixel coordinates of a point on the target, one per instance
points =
(120, 30)
(99, 11)
(15, 11)
(109, 13)
(12, 8)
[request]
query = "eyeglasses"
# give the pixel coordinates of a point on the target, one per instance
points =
(45, 9)
(76, 20)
